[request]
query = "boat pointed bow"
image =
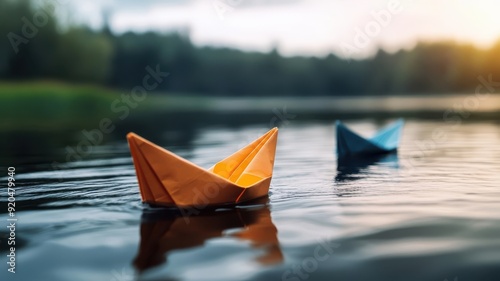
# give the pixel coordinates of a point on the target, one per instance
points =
(350, 143)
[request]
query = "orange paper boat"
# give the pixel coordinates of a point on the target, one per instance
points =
(167, 179)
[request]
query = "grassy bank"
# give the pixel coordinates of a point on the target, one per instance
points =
(59, 106)
(51, 105)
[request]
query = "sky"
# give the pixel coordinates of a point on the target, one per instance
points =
(348, 28)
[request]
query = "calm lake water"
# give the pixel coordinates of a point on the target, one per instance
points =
(430, 212)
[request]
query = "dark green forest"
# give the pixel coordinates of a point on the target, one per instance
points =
(37, 45)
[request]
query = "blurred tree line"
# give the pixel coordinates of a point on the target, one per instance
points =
(35, 47)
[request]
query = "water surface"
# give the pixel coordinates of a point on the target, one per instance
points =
(429, 212)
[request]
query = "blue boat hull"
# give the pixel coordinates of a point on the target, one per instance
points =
(351, 144)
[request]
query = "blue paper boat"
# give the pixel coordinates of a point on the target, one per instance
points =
(351, 144)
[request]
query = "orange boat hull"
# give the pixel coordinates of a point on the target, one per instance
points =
(170, 180)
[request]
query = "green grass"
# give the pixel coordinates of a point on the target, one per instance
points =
(52, 105)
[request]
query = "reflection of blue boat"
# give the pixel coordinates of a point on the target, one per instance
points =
(386, 140)
(354, 168)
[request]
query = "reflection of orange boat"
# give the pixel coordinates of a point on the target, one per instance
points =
(167, 179)
(160, 237)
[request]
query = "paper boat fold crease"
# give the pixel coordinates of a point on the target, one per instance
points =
(168, 179)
